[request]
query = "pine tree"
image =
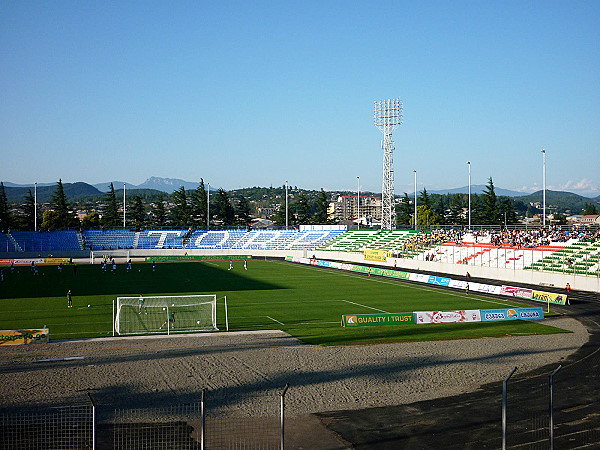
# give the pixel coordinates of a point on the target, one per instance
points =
(138, 212)
(321, 216)
(63, 218)
(110, 216)
(424, 199)
(243, 211)
(198, 200)
(160, 214)
(303, 209)
(29, 209)
(181, 210)
(223, 209)
(490, 204)
(5, 216)
(405, 214)
(456, 210)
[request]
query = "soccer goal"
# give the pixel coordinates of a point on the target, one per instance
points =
(165, 314)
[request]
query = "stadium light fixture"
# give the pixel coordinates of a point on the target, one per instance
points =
(415, 198)
(544, 190)
(387, 117)
(469, 164)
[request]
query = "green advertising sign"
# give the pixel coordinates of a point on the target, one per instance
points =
(374, 320)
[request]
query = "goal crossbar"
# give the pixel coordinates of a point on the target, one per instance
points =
(165, 314)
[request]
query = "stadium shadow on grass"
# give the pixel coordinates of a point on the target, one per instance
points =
(89, 280)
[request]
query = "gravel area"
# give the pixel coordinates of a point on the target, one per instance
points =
(246, 371)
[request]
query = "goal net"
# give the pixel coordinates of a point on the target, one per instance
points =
(166, 314)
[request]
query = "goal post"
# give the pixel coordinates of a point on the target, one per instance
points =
(165, 314)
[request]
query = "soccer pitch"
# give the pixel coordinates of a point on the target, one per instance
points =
(304, 301)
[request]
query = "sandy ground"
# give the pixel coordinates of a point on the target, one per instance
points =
(245, 372)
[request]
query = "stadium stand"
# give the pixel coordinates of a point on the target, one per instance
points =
(161, 239)
(108, 239)
(8, 244)
(46, 241)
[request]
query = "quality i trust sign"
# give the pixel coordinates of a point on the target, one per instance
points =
(374, 320)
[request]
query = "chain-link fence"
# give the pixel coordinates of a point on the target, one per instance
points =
(69, 427)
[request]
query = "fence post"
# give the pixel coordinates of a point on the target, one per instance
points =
(504, 408)
(93, 421)
(552, 406)
(282, 416)
(203, 422)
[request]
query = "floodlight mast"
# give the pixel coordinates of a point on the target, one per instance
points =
(387, 117)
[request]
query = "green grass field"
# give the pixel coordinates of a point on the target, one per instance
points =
(304, 301)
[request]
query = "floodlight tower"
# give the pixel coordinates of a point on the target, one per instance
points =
(388, 115)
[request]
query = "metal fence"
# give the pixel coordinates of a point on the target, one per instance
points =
(69, 427)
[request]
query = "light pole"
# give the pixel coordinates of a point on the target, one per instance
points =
(286, 204)
(544, 191)
(469, 164)
(123, 205)
(208, 207)
(358, 202)
(415, 198)
(35, 206)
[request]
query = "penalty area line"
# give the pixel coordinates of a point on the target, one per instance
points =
(365, 306)
(275, 320)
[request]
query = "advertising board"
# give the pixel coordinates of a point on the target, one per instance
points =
(18, 337)
(468, 315)
(374, 320)
(516, 291)
(549, 297)
(375, 255)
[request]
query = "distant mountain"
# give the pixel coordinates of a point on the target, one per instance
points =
(73, 191)
(168, 185)
(476, 189)
(562, 200)
(105, 187)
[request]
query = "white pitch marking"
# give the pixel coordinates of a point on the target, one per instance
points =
(365, 306)
(275, 320)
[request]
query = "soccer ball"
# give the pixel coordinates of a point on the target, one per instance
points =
(198, 322)
(139, 270)
(89, 306)
(164, 309)
(172, 304)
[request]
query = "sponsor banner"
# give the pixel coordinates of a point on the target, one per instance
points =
(469, 315)
(5, 262)
(375, 255)
(291, 258)
(346, 266)
(419, 277)
(335, 265)
(56, 260)
(441, 281)
(549, 297)
(374, 320)
(27, 262)
(485, 288)
(362, 269)
(490, 315)
(458, 284)
(323, 263)
(198, 258)
(516, 291)
(18, 337)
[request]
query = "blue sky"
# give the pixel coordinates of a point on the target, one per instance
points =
(256, 93)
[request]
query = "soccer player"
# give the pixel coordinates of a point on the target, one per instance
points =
(171, 320)
(245, 264)
(153, 266)
(142, 305)
(114, 267)
(60, 268)
(230, 264)
(69, 299)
